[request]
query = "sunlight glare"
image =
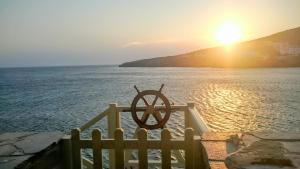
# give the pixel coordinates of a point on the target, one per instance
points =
(228, 33)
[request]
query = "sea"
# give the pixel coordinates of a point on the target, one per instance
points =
(62, 98)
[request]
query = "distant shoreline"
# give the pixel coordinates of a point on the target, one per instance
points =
(115, 65)
(278, 50)
(208, 67)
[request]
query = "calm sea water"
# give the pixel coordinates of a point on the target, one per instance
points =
(60, 98)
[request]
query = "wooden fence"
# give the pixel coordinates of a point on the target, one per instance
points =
(192, 147)
(73, 145)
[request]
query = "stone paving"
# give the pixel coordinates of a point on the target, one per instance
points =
(256, 150)
(16, 148)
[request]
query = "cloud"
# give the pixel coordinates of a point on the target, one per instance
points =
(130, 44)
(143, 43)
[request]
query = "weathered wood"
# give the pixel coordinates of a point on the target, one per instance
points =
(187, 116)
(128, 152)
(193, 150)
(189, 109)
(166, 149)
(111, 119)
(117, 115)
(76, 151)
(119, 148)
(142, 151)
(189, 150)
(97, 149)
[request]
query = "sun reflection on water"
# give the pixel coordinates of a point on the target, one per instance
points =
(229, 108)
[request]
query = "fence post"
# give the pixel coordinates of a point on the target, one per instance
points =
(66, 147)
(119, 148)
(76, 151)
(189, 149)
(111, 119)
(128, 152)
(142, 151)
(166, 149)
(97, 149)
(188, 115)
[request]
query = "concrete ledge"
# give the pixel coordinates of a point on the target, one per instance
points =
(29, 150)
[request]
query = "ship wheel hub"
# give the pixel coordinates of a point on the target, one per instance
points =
(150, 109)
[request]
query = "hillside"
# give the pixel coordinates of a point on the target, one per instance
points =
(278, 50)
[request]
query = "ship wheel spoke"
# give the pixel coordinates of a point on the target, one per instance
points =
(145, 101)
(156, 96)
(157, 116)
(161, 109)
(145, 117)
(154, 101)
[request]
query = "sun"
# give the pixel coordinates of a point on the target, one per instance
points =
(228, 33)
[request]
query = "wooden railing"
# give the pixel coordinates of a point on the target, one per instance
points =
(191, 146)
(192, 119)
(191, 115)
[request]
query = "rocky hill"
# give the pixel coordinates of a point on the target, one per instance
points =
(278, 50)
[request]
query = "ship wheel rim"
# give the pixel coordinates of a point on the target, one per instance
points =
(167, 109)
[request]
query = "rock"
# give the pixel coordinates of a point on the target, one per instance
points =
(261, 154)
(248, 139)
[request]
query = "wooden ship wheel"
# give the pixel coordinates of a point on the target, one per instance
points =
(150, 109)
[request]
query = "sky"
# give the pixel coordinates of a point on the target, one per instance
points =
(98, 32)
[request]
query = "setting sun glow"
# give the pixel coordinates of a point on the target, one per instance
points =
(228, 33)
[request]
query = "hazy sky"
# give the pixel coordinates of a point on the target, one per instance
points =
(61, 32)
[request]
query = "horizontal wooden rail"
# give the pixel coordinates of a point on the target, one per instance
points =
(191, 114)
(94, 120)
(142, 108)
(131, 143)
(120, 109)
(154, 163)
